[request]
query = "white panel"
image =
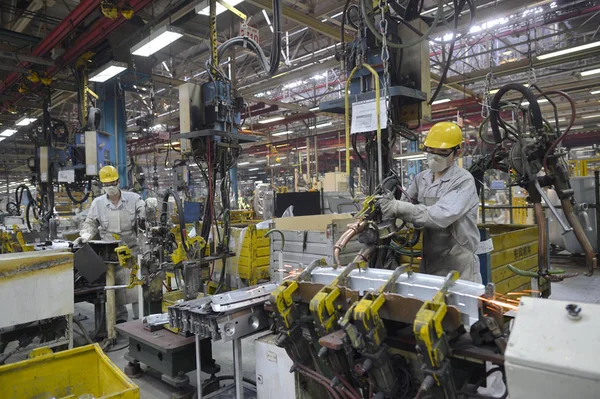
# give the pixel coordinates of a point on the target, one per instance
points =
(35, 295)
(273, 377)
(551, 355)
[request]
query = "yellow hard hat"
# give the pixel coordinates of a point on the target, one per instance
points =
(444, 135)
(109, 174)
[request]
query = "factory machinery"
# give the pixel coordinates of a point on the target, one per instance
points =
(372, 328)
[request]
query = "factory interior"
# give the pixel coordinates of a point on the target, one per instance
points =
(299, 199)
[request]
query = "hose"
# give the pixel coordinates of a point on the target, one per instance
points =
(268, 233)
(269, 66)
(323, 381)
(83, 332)
(163, 215)
(369, 23)
(568, 128)
(85, 197)
(534, 107)
(450, 53)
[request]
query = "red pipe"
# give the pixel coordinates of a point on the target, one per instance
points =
(99, 30)
(58, 34)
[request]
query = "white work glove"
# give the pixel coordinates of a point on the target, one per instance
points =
(82, 239)
(152, 203)
(394, 209)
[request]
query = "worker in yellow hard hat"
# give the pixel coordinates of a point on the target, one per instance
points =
(444, 203)
(115, 214)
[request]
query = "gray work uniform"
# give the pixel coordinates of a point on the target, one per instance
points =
(110, 221)
(447, 210)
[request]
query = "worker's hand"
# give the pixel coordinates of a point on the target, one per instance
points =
(82, 239)
(394, 209)
(152, 203)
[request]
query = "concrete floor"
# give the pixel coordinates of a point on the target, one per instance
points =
(581, 289)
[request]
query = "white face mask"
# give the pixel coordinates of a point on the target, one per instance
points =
(112, 190)
(438, 163)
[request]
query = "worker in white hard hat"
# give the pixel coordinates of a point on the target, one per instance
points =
(114, 216)
(445, 204)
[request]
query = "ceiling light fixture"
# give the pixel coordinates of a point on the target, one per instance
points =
(282, 133)
(159, 39)
(24, 121)
(558, 53)
(313, 109)
(273, 119)
(442, 101)
(590, 72)
(8, 132)
(595, 92)
(107, 71)
(253, 169)
(243, 163)
(591, 116)
(267, 19)
(204, 7)
(321, 125)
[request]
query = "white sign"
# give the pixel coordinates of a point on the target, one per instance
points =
(485, 247)
(91, 170)
(249, 32)
(66, 176)
(364, 117)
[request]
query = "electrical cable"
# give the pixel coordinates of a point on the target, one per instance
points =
(449, 57)
(534, 108)
(163, 216)
(269, 66)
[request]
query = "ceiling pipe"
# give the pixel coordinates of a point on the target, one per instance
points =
(58, 34)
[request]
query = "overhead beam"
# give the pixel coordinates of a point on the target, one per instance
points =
(9, 55)
(292, 107)
(289, 76)
(455, 86)
(301, 18)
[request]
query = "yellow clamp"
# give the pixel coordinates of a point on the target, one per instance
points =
(127, 261)
(428, 322)
(282, 298)
(179, 254)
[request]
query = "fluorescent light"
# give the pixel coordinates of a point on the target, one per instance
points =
(204, 7)
(590, 72)
(24, 121)
(273, 119)
(337, 15)
(540, 101)
(595, 92)
(442, 101)
(313, 109)
(321, 125)
(591, 116)
(494, 91)
(267, 19)
(577, 127)
(2, 138)
(107, 71)
(282, 133)
(261, 161)
(569, 50)
(411, 157)
(253, 169)
(243, 163)
(8, 132)
(157, 40)
(301, 148)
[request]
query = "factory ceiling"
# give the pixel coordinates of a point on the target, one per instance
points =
(502, 44)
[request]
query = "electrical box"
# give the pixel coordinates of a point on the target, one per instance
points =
(552, 353)
(273, 377)
(44, 163)
(97, 151)
(181, 177)
(335, 181)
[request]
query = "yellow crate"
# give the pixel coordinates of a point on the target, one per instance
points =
(255, 256)
(516, 245)
(66, 375)
(170, 299)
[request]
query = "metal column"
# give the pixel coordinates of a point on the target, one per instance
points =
(198, 368)
(114, 123)
(237, 367)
